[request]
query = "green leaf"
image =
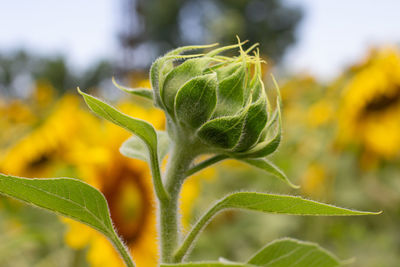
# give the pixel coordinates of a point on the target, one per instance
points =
(282, 204)
(65, 196)
(268, 203)
(224, 70)
(135, 148)
(196, 100)
(289, 252)
(69, 197)
(143, 92)
(269, 167)
(206, 163)
(144, 130)
(207, 264)
(139, 127)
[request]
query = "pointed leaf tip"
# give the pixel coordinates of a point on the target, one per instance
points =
(271, 168)
(285, 204)
(143, 92)
(207, 264)
(141, 128)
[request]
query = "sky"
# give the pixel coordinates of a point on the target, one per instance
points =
(336, 33)
(82, 30)
(332, 35)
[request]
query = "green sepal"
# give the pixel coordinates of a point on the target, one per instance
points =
(271, 168)
(143, 92)
(180, 50)
(231, 93)
(258, 90)
(196, 100)
(155, 76)
(163, 65)
(256, 119)
(273, 120)
(206, 163)
(256, 82)
(266, 147)
(288, 252)
(225, 70)
(263, 149)
(224, 48)
(179, 76)
(222, 132)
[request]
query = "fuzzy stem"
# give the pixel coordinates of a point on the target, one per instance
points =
(123, 251)
(179, 162)
(194, 232)
(205, 164)
(159, 188)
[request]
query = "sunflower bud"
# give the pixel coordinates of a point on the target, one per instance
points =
(216, 101)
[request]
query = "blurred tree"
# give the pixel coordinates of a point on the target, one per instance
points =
(19, 70)
(150, 27)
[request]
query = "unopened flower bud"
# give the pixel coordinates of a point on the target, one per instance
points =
(217, 101)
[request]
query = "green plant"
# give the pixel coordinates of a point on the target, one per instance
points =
(215, 105)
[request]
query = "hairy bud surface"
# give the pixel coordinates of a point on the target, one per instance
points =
(217, 102)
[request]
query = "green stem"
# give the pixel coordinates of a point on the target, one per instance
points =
(205, 164)
(180, 159)
(191, 236)
(78, 257)
(161, 193)
(122, 250)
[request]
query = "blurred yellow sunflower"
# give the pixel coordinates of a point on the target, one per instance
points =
(191, 190)
(71, 136)
(138, 79)
(15, 119)
(298, 94)
(316, 181)
(46, 143)
(43, 94)
(369, 114)
(127, 186)
(18, 116)
(320, 113)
